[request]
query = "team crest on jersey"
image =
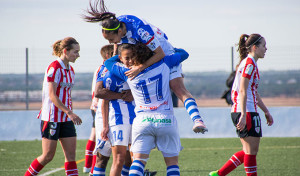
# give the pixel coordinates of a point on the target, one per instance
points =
(50, 72)
(52, 132)
(249, 69)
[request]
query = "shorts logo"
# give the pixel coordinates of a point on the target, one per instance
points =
(257, 129)
(52, 132)
(149, 119)
(53, 127)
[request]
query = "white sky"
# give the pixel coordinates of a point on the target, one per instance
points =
(206, 29)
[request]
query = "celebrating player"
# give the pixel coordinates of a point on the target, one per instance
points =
(57, 117)
(131, 29)
(155, 124)
(244, 109)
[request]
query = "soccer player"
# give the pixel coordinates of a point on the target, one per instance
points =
(133, 30)
(103, 148)
(246, 100)
(155, 124)
(57, 117)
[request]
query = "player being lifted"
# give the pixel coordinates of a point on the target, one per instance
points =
(133, 30)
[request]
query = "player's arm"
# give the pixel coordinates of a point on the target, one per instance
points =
(175, 59)
(57, 102)
(243, 100)
(103, 93)
(105, 113)
(264, 108)
(135, 70)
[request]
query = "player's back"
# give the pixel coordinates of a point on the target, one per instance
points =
(151, 90)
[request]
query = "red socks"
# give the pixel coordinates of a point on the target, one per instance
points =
(250, 165)
(71, 168)
(235, 160)
(34, 168)
(89, 153)
(94, 162)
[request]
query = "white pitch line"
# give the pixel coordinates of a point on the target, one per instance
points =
(53, 171)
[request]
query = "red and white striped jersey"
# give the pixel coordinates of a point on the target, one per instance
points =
(64, 77)
(247, 69)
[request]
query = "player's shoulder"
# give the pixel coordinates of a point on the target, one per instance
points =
(54, 66)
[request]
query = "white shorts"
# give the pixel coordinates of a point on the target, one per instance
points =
(176, 72)
(157, 130)
(120, 134)
(102, 147)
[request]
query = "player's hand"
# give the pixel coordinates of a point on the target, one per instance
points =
(94, 104)
(242, 123)
(104, 133)
(269, 118)
(127, 95)
(133, 72)
(75, 118)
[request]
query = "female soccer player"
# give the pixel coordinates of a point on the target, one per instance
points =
(57, 117)
(131, 29)
(244, 109)
(155, 124)
(105, 92)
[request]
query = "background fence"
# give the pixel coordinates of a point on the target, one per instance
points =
(215, 63)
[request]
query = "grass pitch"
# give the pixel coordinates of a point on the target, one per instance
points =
(277, 156)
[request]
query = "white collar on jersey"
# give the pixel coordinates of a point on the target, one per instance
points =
(62, 64)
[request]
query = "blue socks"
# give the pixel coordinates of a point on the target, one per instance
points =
(191, 107)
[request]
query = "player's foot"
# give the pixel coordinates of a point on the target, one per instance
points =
(149, 173)
(86, 170)
(90, 174)
(213, 173)
(199, 127)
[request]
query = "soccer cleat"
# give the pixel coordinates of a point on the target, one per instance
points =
(149, 173)
(213, 173)
(86, 170)
(90, 174)
(199, 127)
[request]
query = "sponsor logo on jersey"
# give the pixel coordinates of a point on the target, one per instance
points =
(154, 107)
(249, 69)
(144, 34)
(50, 72)
(152, 120)
(64, 84)
(103, 72)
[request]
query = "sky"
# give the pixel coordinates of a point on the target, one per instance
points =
(206, 29)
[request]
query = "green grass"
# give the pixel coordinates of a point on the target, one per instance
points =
(277, 156)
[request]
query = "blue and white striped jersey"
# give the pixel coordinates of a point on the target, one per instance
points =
(120, 112)
(139, 31)
(150, 89)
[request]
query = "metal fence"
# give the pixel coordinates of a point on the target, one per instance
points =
(16, 63)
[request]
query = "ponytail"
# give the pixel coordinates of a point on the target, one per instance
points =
(60, 45)
(98, 12)
(246, 42)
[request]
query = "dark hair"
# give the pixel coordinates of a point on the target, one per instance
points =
(246, 42)
(60, 45)
(107, 49)
(99, 13)
(140, 51)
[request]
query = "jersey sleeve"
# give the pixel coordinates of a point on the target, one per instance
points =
(53, 74)
(175, 59)
(116, 68)
(146, 36)
(100, 74)
(248, 69)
